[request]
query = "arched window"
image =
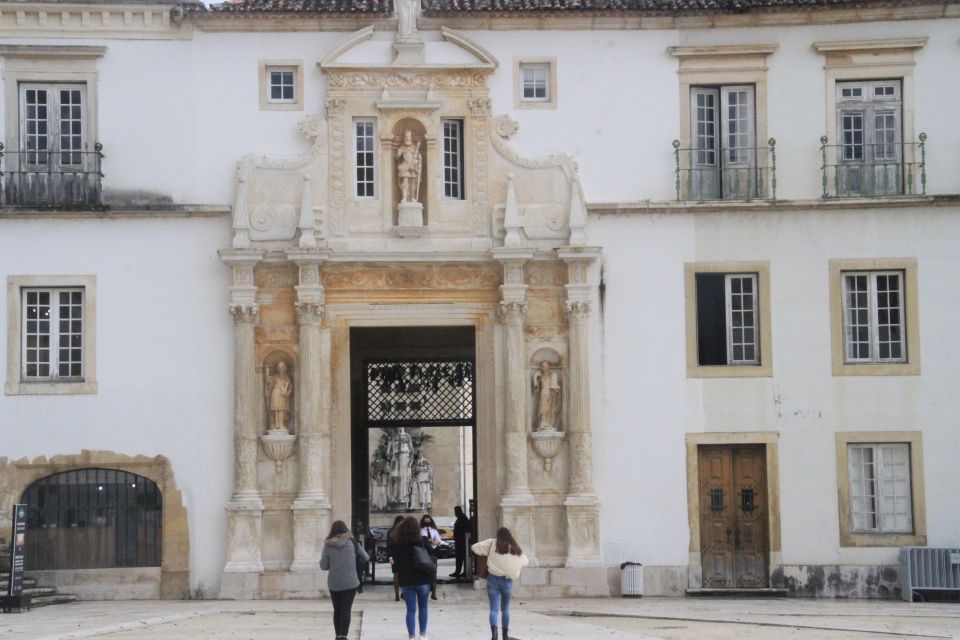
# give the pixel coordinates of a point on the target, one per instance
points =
(93, 518)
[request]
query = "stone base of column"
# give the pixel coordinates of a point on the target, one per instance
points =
(311, 523)
(520, 521)
(244, 536)
(583, 531)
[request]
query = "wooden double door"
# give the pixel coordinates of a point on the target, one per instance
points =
(734, 526)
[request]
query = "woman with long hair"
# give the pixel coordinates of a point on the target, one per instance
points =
(414, 580)
(431, 539)
(392, 560)
(339, 560)
(505, 560)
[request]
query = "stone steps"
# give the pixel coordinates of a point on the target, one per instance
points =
(39, 596)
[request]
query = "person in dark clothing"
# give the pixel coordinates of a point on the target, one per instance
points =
(431, 540)
(339, 559)
(414, 583)
(461, 528)
(391, 558)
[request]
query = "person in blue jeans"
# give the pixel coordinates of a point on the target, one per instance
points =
(505, 560)
(414, 583)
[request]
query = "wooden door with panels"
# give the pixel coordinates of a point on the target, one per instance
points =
(734, 526)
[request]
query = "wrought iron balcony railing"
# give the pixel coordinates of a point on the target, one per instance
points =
(740, 173)
(859, 170)
(51, 179)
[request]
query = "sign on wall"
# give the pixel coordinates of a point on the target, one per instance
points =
(16, 549)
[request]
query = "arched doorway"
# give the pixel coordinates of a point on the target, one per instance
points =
(93, 519)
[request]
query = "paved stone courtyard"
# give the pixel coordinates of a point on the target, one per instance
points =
(461, 614)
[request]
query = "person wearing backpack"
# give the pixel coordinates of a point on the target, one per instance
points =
(340, 558)
(416, 570)
(505, 560)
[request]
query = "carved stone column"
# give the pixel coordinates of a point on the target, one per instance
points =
(311, 509)
(516, 501)
(582, 504)
(245, 509)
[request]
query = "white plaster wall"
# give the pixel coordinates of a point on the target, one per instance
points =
(176, 115)
(164, 358)
(647, 403)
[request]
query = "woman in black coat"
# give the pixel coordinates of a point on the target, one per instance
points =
(414, 582)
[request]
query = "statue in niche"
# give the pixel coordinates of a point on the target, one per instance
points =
(279, 388)
(379, 476)
(407, 20)
(409, 168)
(421, 486)
(546, 385)
(400, 454)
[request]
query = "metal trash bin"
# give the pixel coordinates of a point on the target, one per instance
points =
(631, 580)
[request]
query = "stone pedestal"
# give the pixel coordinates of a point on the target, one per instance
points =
(408, 52)
(410, 219)
(244, 522)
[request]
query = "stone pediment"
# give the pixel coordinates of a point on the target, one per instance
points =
(368, 49)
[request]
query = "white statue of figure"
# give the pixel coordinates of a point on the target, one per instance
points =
(409, 168)
(423, 481)
(546, 384)
(279, 390)
(407, 20)
(400, 454)
(379, 474)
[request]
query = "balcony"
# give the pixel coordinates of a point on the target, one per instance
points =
(52, 179)
(859, 170)
(741, 173)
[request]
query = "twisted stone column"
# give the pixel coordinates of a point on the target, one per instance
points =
(311, 509)
(245, 508)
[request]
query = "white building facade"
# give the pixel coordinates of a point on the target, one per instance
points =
(719, 232)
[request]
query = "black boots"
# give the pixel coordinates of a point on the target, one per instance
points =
(493, 633)
(506, 635)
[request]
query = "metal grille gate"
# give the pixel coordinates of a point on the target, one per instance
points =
(419, 393)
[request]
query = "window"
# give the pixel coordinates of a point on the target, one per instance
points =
(281, 85)
(727, 319)
(52, 129)
(453, 159)
(535, 83)
(874, 317)
(724, 147)
(364, 145)
(880, 488)
(880, 477)
(51, 335)
(869, 153)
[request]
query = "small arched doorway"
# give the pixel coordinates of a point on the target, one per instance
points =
(93, 519)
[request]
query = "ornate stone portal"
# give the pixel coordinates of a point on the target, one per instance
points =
(310, 259)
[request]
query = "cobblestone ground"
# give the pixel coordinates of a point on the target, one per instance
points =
(461, 614)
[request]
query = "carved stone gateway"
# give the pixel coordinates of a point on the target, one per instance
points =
(314, 253)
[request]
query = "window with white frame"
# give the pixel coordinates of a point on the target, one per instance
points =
(724, 142)
(52, 125)
(535, 82)
(870, 154)
(880, 492)
(52, 334)
(727, 319)
(453, 159)
(281, 82)
(364, 145)
(873, 317)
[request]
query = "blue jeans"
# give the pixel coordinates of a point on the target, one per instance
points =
(416, 599)
(499, 590)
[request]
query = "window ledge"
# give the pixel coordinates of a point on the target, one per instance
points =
(730, 371)
(883, 540)
(723, 206)
(20, 388)
(877, 369)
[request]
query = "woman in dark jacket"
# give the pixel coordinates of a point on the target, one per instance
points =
(414, 583)
(392, 560)
(339, 560)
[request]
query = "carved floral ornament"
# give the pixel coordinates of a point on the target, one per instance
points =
(578, 311)
(406, 80)
(512, 312)
(244, 313)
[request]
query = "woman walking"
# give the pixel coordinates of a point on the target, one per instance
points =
(414, 574)
(339, 560)
(505, 559)
(391, 557)
(431, 539)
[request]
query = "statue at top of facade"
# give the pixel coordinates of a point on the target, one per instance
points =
(400, 455)
(409, 167)
(546, 384)
(407, 20)
(279, 390)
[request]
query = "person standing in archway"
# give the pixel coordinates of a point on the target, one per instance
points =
(461, 527)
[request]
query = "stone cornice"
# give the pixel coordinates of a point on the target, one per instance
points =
(135, 21)
(712, 51)
(891, 44)
(813, 206)
(51, 51)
